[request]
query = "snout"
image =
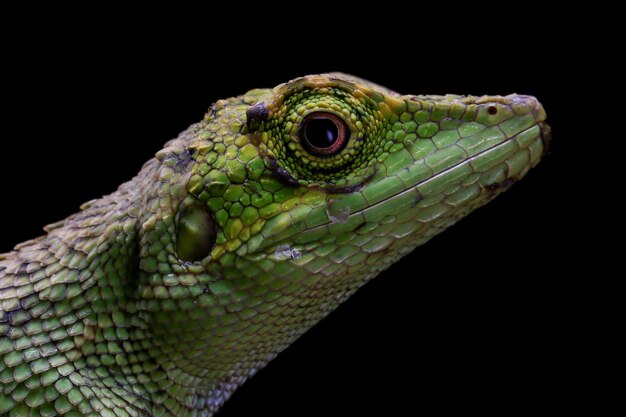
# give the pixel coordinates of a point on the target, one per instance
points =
(546, 136)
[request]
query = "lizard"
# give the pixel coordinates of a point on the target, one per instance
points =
(163, 297)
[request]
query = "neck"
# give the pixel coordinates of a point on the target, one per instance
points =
(193, 361)
(202, 349)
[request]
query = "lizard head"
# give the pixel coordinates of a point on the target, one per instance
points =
(332, 177)
(289, 199)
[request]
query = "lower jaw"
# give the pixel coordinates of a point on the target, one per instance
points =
(422, 212)
(484, 175)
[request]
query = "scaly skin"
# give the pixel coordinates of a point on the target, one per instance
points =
(132, 307)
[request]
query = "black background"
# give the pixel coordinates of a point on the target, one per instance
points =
(478, 319)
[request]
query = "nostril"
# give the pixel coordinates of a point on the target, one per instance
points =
(492, 110)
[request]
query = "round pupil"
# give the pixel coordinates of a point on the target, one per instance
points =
(321, 133)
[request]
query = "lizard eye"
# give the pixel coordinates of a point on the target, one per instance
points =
(323, 134)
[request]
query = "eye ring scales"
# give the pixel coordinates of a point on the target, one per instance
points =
(323, 134)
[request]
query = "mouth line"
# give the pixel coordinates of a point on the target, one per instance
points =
(412, 187)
